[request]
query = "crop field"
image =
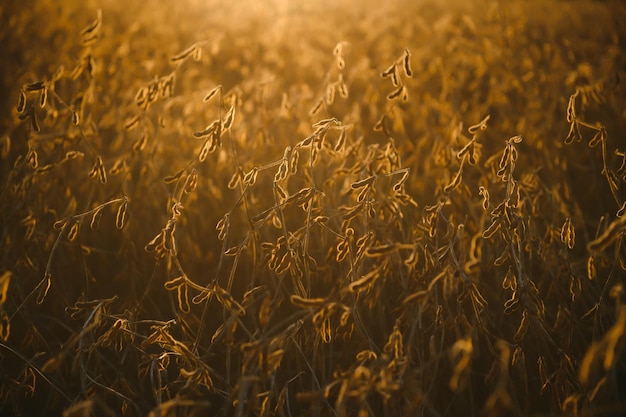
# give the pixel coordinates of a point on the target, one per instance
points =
(313, 208)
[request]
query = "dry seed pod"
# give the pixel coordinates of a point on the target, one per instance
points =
(599, 137)
(71, 235)
(342, 250)
(222, 227)
(58, 74)
(396, 93)
(75, 118)
(90, 65)
(341, 63)
(94, 171)
(571, 108)
(298, 198)
(482, 125)
(341, 141)
(343, 89)
(29, 223)
(615, 230)
(330, 94)
(184, 54)
(90, 33)
(363, 183)
(174, 283)
(45, 288)
(43, 98)
(573, 133)
(33, 120)
(153, 90)
(324, 123)
(504, 161)
(338, 49)
(235, 180)
(191, 182)
(173, 178)
(263, 216)
(95, 217)
(575, 288)
(215, 141)
(212, 93)
(407, 63)
(21, 105)
(363, 194)
(612, 179)
(394, 78)
(293, 162)
(492, 229)
(205, 150)
(59, 224)
(321, 219)
(166, 85)
(35, 86)
(102, 175)
(32, 159)
(514, 154)
(285, 107)
(209, 130)
(117, 167)
(197, 54)
(389, 71)
(510, 281)
(568, 235)
(352, 212)
(5, 326)
(591, 268)
(379, 126)
(182, 297)
(366, 355)
(362, 283)
(362, 243)
(398, 185)
(140, 143)
(413, 259)
(521, 330)
(455, 181)
(474, 154)
(120, 217)
(141, 97)
(132, 122)
(276, 221)
(281, 174)
(73, 155)
(250, 177)
(155, 243)
(44, 169)
(280, 192)
(308, 141)
(465, 149)
(177, 210)
(232, 251)
(374, 252)
(316, 108)
(298, 301)
(229, 118)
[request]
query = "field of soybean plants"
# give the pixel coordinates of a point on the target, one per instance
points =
(313, 208)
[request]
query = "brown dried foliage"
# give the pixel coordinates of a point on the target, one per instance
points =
(313, 210)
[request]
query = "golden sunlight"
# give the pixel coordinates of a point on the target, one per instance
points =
(312, 208)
